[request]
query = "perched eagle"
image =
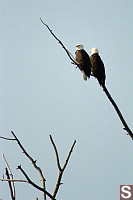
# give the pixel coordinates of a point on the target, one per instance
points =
(97, 66)
(83, 60)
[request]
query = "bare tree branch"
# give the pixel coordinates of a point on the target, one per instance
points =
(6, 138)
(61, 170)
(11, 184)
(118, 112)
(14, 180)
(33, 162)
(33, 184)
(68, 53)
(104, 87)
(27, 181)
(56, 153)
(69, 154)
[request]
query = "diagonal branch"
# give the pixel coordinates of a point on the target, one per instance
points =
(33, 162)
(56, 153)
(69, 154)
(118, 112)
(68, 53)
(61, 170)
(33, 184)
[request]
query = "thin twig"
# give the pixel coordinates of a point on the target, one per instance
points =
(118, 112)
(33, 162)
(61, 170)
(56, 153)
(27, 181)
(33, 184)
(14, 180)
(10, 184)
(68, 53)
(10, 177)
(69, 154)
(6, 138)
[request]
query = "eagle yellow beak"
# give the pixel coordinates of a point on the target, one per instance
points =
(90, 50)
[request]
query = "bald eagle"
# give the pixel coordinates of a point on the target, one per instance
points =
(97, 66)
(84, 61)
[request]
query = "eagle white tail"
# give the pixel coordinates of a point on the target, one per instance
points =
(84, 76)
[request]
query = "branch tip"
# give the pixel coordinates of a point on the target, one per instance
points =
(59, 41)
(126, 128)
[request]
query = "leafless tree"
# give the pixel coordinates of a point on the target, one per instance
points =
(11, 180)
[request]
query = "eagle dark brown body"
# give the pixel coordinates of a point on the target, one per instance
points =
(97, 68)
(84, 61)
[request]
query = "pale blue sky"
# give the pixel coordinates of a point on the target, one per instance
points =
(42, 93)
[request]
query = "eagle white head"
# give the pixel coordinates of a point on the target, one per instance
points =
(94, 50)
(79, 47)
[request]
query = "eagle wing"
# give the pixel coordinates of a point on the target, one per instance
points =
(97, 68)
(84, 61)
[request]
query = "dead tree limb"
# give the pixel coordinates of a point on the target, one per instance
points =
(104, 87)
(33, 184)
(68, 53)
(33, 162)
(126, 128)
(10, 184)
(27, 181)
(13, 180)
(61, 170)
(56, 153)
(10, 176)
(6, 138)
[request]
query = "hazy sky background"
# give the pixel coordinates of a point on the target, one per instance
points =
(42, 93)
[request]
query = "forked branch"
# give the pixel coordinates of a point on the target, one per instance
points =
(61, 170)
(33, 184)
(26, 181)
(33, 162)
